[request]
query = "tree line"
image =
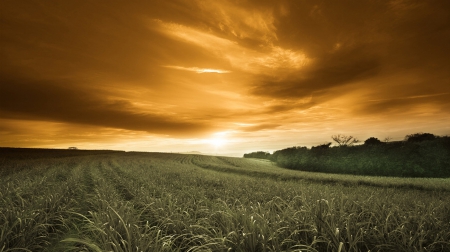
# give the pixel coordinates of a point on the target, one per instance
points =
(418, 155)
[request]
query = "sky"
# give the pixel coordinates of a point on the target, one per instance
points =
(221, 77)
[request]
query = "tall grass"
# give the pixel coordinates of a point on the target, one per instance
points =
(171, 202)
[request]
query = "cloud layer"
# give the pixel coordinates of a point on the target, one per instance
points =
(186, 69)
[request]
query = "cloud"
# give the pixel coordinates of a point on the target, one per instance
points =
(275, 66)
(54, 39)
(267, 58)
(415, 105)
(198, 70)
(50, 101)
(258, 127)
(251, 21)
(334, 69)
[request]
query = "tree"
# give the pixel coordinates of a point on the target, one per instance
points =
(387, 139)
(258, 154)
(343, 140)
(372, 141)
(419, 137)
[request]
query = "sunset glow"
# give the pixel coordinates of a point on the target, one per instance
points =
(168, 75)
(198, 70)
(219, 139)
(217, 142)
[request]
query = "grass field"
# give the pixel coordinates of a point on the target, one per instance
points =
(117, 201)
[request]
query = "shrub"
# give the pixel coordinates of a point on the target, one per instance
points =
(372, 141)
(420, 137)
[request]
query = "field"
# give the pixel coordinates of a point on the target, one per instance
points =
(122, 201)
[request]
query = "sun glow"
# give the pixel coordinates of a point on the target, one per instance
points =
(199, 70)
(218, 140)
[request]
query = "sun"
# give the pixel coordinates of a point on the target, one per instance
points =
(218, 140)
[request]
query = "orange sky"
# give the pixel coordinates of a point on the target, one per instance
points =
(224, 77)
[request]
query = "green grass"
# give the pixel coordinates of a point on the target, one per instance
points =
(174, 202)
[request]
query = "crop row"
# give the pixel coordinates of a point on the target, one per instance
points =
(172, 202)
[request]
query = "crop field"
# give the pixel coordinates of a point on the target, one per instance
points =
(130, 201)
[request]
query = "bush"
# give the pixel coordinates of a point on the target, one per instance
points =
(420, 137)
(372, 141)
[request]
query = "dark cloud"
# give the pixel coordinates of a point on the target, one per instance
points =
(73, 38)
(430, 103)
(350, 42)
(91, 40)
(286, 106)
(332, 70)
(316, 26)
(259, 127)
(64, 102)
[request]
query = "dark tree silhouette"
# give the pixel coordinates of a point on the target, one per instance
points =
(419, 137)
(343, 140)
(387, 139)
(372, 141)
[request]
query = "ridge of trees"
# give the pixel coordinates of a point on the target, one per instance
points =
(258, 154)
(419, 155)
